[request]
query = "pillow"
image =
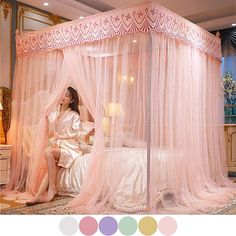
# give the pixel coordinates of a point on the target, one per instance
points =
(85, 148)
(131, 141)
(87, 126)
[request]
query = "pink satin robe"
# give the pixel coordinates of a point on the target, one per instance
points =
(65, 132)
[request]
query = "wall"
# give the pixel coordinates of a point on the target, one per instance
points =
(30, 19)
(15, 18)
(5, 44)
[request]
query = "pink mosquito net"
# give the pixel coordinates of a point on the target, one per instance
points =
(151, 81)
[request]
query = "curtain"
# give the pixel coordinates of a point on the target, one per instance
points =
(34, 82)
(187, 138)
(157, 106)
(120, 107)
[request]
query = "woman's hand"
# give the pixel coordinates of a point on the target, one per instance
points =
(91, 132)
(86, 136)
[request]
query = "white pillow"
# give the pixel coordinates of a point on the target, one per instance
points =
(85, 148)
(87, 126)
(131, 141)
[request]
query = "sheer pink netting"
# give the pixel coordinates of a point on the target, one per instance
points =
(152, 85)
(187, 129)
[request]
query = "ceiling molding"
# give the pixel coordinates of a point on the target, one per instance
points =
(217, 24)
(212, 15)
(95, 4)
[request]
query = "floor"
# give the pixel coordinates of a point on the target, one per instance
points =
(10, 203)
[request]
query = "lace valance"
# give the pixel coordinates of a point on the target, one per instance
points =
(145, 17)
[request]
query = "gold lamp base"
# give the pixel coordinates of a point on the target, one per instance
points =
(2, 134)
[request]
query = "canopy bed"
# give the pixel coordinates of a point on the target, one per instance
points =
(151, 81)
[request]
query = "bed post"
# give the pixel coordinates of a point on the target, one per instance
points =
(148, 119)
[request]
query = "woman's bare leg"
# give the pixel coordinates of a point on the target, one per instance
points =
(52, 155)
(49, 180)
(42, 189)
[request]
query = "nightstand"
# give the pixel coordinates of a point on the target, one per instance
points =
(230, 138)
(5, 159)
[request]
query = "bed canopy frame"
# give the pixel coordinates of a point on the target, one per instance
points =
(161, 75)
(146, 17)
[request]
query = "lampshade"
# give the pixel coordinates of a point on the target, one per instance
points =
(113, 109)
(2, 134)
(105, 124)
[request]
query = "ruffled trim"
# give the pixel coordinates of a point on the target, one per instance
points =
(145, 17)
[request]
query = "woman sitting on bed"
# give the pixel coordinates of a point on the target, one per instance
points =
(65, 131)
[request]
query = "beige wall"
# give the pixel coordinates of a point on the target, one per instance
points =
(25, 19)
(5, 44)
(29, 19)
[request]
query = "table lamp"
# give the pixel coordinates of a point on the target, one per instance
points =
(2, 134)
(112, 111)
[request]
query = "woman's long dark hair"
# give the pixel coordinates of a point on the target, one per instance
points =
(75, 100)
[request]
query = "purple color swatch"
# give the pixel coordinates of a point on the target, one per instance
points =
(108, 225)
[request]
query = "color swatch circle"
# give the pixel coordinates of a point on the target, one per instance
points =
(167, 225)
(128, 225)
(88, 225)
(68, 226)
(147, 225)
(108, 225)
